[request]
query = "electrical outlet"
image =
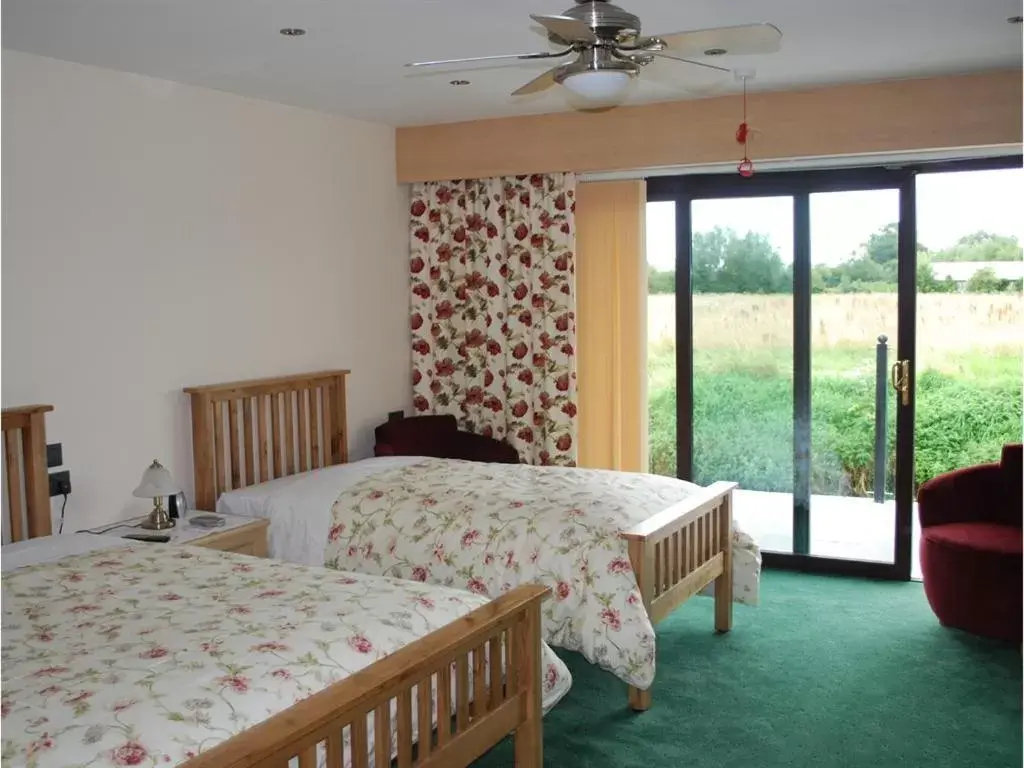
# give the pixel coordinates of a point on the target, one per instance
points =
(396, 415)
(60, 483)
(54, 455)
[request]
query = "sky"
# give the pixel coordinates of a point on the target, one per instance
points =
(949, 206)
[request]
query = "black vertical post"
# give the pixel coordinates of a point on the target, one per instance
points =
(802, 373)
(906, 342)
(684, 339)
(881, 393)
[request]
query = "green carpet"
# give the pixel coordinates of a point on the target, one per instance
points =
(825, 672)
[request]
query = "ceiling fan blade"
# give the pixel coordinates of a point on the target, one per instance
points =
(742, 40)
(661, 55)
(540, 83)
(566, 28)
(665, 76)
(524, 56)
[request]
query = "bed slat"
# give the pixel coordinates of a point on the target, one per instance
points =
(404, 729)
(302, 414)
(275, 418)
(235, 458)
(308, 758)
(495, 661)
(218, 447)
(479, 682)
(262, 460)
(659, 567)
(425, 716)
(444, 705)
(511, 665)
(360, 744)
(461, 693)
(335, 750)
(314, 429)
(326, 406)
(382, 736)
(289, 433)
(674, 549)
(684, 550)
(250, 459)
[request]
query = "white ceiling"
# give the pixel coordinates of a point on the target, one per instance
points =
(350, 62)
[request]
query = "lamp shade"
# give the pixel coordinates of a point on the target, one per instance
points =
(156, 481)
(602, 85)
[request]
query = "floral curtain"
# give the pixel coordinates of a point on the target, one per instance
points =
(493, 309)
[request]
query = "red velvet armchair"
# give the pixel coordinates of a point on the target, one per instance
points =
(440, 437)
(971, 546)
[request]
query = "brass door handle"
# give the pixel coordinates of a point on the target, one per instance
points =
(901, 380)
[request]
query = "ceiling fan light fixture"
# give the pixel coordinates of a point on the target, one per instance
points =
(600, 85)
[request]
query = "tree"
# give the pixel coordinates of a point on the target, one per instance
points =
(985, 281)
(883, 246)
(725, 262)
(661, 281)
(983, 246)
(926, 281)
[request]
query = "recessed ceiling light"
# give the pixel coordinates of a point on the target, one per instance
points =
(715, 52)
(459, 82)
(1015, 20)
(293, 31)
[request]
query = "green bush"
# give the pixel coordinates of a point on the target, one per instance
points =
(743, 426)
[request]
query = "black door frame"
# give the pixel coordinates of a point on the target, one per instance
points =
(799, 185)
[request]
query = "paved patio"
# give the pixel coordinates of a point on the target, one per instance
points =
(846, 527)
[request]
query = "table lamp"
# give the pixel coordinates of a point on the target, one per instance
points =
(157, 483)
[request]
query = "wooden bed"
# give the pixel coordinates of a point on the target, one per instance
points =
(249, 432)
(26, 486)
(506, 699)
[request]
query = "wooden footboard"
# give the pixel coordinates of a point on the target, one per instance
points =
(678, 552)
(501, 698)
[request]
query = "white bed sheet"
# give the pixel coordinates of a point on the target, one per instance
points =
(49, 549)
(299, 506)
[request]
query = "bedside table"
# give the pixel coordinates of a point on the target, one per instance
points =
(244, 535)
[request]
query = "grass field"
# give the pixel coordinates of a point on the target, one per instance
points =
(968, 386)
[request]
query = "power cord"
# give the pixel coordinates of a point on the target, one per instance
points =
(62, 508)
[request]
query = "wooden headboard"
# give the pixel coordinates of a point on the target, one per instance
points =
(27, 491)
(248, 432)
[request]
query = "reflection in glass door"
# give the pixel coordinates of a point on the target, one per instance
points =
(660, 238)
(854, 320)
(741, 282)
(970, 310)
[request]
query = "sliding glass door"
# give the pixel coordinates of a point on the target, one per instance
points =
(793, 299)
(784, 320)
(741, 421)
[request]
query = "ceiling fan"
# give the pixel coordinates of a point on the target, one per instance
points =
(610, 50)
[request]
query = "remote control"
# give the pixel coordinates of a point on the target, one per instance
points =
(158, 538)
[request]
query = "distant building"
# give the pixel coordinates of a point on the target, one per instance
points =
(962, 271)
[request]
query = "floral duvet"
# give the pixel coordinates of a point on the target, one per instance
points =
(489, 527)
(149, 655)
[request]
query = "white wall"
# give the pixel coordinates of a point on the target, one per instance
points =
(157, 235)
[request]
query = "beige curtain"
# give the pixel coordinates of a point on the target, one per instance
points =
(611, 303)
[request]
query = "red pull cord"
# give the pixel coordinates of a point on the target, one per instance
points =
(746, 167)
